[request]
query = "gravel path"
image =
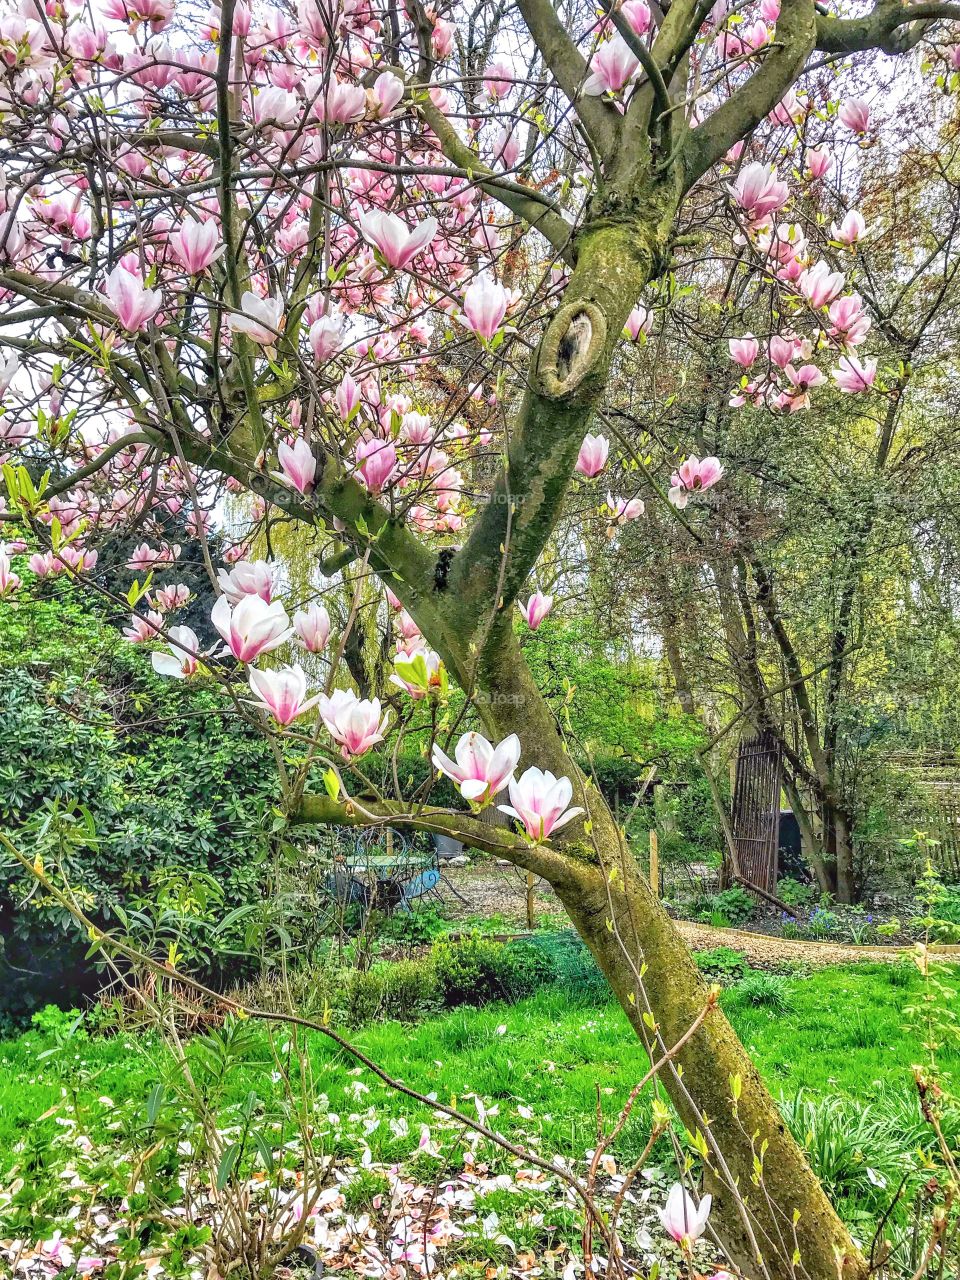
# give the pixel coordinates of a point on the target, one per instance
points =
(492, 890)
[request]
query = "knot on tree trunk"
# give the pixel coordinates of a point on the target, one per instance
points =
(571, 348)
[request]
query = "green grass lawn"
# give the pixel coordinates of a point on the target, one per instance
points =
(843, 1031)
(78, 1111)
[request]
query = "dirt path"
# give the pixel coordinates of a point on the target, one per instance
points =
(762, 950)
(494, 891)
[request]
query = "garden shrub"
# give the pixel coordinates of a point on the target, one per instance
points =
(723, 964)
(414, 928)
(477, 970)
(943, 920)
(153, 803)
(403, 990)
(736, 904)
(728, 908)
(794, 893)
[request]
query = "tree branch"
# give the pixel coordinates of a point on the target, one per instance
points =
(530, 206)
(881, 28)
(796, 35)
(569, 68)
(321, 810)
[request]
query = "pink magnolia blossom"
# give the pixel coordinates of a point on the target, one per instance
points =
(851, 229)
(852, 376)
(792, 107)
(184, 657)
(818, 161)
(497, 79)
(535, 609)
(248, 578)
(695, 475)
(44, 565)
(344, 103)
(196, 245)
(801, 381)
(146, 557)
(855, 114)
(8, 369)
(805, 377)
(242, 19)
(683, 1220)
(818, 285)
(849, 323)
(347, 398)
(770, 11)
(312, 627)
(639, 321)
(277, 108)
(12, 239)
(376, 461)
(142, 629)
(282, 693)
(623, 510)
(613, 65)
(485, 303)
(326, 337)
(637, 14)
(168, 599)
(386, 94)
(758, 191)
(425, 676)
(781, 351)
(259, 319)
(134, 304)
(9, 581)
(251, 627)
(355, 724)
(592, 457)
(481, 769)
(506, 148)
(155, 13)
(745, 350)
(441, 40)
(391, 236)
(298, 466)
(77, 558)
(539, 800)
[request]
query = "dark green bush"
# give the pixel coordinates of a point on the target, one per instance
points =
(404, 990)
(477, 970)
(152, 799)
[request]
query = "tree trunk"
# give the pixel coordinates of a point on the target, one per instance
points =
(629, 933)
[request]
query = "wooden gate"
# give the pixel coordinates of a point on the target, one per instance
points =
(756, 809)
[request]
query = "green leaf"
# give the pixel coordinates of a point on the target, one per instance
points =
(264, 1148)
(228, 1162)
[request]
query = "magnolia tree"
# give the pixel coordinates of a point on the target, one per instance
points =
(369, 270)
